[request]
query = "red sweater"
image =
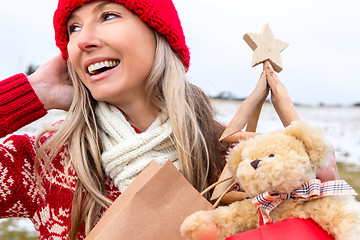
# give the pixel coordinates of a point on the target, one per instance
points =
(20, 195)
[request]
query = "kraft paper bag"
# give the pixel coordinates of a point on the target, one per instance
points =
(152, 207)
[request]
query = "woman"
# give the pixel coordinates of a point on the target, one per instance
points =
(127, 62)
(128, 103)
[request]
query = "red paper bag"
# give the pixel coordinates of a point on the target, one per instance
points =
(152, 207)
(289, 229)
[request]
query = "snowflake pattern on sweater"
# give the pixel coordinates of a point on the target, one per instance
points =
(20, 195)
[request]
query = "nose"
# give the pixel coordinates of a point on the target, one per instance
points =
(88, 39)
(255, 163)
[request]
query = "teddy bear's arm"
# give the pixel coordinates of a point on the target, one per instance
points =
(338, 215)
(221, 222)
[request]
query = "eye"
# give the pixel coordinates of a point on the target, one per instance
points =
(271, 155)
(107, 16)
(73, 28)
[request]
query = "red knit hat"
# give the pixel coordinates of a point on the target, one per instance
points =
(158, 14)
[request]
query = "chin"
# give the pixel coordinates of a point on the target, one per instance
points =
(99, 97)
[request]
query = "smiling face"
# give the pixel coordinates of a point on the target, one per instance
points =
(112, 50)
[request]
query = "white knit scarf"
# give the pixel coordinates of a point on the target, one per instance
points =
(126, 153)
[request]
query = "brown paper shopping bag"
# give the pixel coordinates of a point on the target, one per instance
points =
(152, 207)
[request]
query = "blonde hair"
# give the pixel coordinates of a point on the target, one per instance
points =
(192, 117)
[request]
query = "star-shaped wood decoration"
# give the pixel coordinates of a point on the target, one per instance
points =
(266, 47)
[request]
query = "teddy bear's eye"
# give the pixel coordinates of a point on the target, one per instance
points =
(271, 155)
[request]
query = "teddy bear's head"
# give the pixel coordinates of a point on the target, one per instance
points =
(280, 161)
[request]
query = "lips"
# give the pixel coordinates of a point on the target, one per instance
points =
(100, 65)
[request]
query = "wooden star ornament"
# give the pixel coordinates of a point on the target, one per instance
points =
(266, 47)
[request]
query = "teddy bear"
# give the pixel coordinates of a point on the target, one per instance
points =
(277, 170)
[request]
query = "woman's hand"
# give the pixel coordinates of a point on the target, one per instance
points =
(261, 87)
(328, 172)
(52, 84)
(280, 97)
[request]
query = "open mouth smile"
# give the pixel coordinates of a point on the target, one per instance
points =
(103, 66)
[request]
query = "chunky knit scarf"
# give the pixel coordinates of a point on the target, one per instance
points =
(126, 153)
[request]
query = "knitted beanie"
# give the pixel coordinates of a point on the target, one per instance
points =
(160, 15)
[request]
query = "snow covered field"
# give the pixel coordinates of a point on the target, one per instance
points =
(341, 125)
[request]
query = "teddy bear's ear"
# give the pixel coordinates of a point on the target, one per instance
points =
(313, 139)
(234, 157)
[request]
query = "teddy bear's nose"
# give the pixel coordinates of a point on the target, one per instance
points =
(255, 163)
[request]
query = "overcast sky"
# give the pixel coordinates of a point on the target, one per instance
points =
(321, 64)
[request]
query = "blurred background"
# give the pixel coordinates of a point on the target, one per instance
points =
(320, 65)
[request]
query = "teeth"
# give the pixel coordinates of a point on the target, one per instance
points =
(96, 66)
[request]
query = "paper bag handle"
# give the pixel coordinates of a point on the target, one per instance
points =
(223, 194)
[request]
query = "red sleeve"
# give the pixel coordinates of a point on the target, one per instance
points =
(19, 192)
(19, 104)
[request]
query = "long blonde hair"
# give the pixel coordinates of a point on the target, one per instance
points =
(192, 117)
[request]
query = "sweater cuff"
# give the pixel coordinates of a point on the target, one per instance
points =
(19, 104)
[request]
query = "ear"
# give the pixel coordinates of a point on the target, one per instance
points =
(313, 140)
(234, 157)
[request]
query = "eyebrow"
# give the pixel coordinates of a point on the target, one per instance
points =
(97, 8)
(101, 6)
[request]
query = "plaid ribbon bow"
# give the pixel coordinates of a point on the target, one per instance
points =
(310, 190)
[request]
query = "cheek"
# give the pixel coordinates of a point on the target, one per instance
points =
(139, 45)
(137, 64)
(71, 51)
(74, 58)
